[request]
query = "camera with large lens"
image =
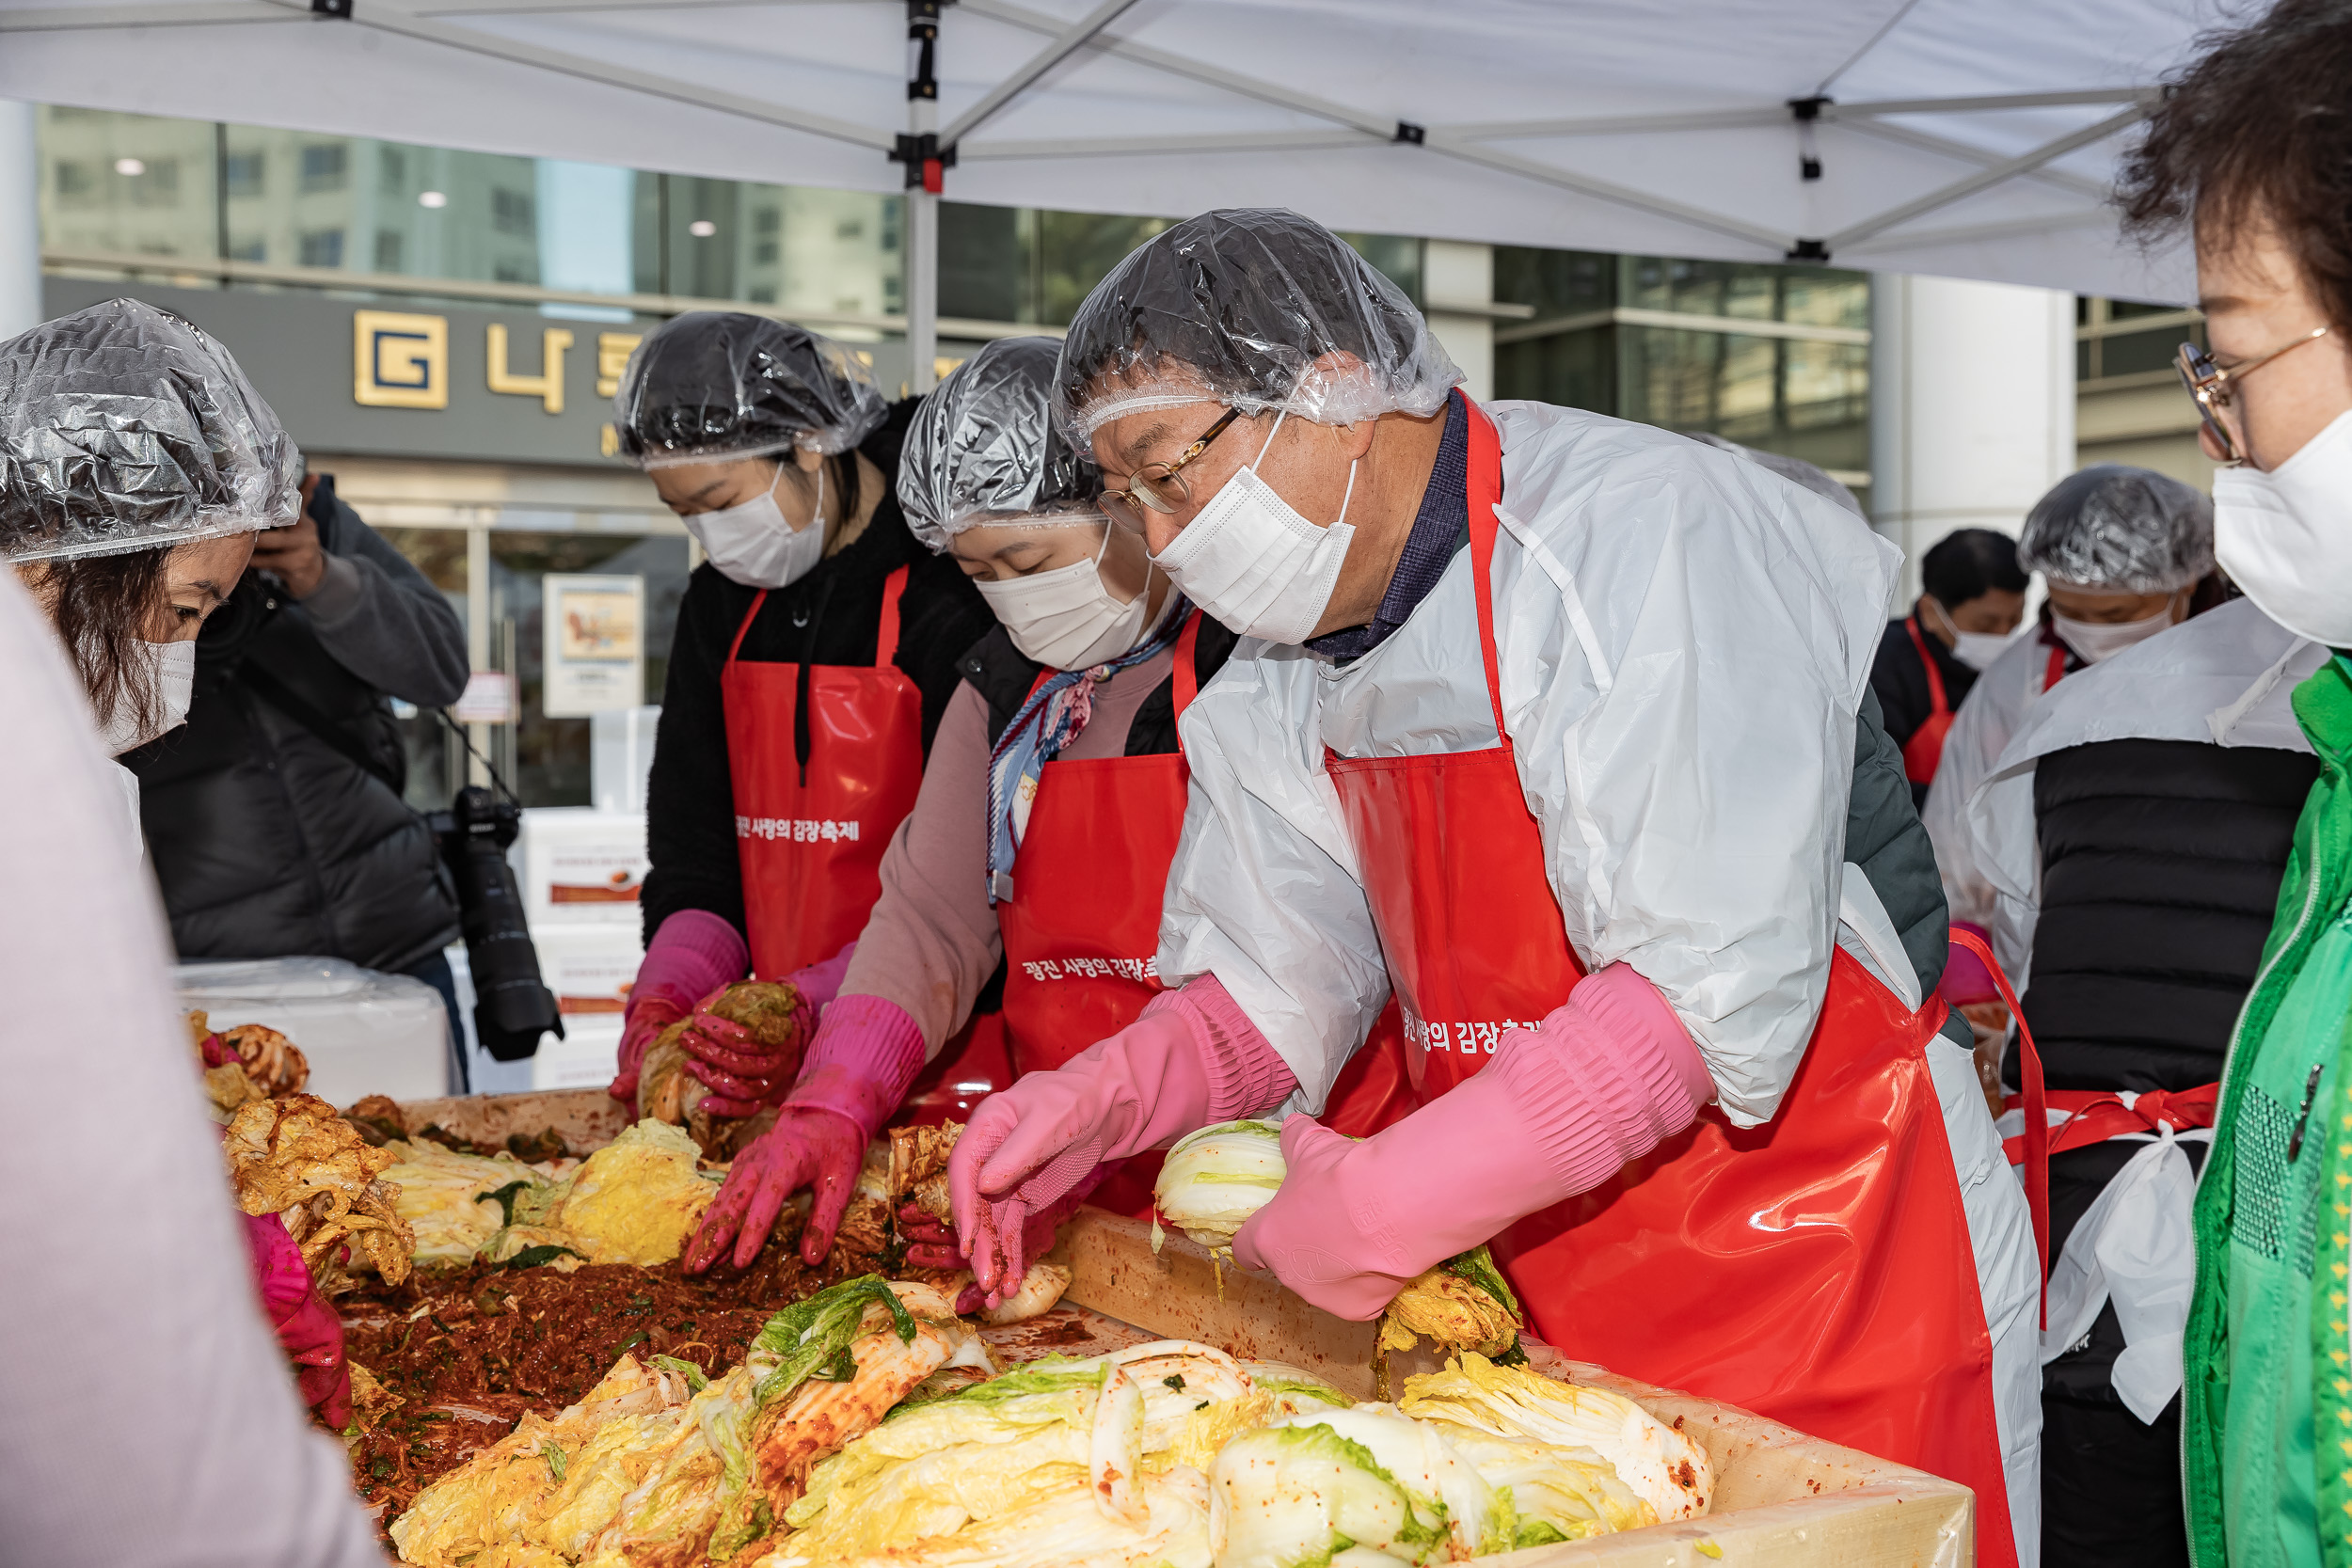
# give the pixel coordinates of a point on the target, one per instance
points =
(513, 1006)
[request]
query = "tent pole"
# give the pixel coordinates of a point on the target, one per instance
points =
(926, 164)
(20, 221)
(922, 272)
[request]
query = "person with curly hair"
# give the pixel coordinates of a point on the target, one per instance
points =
(2250, 148)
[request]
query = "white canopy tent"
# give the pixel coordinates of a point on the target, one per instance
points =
(1971, 139)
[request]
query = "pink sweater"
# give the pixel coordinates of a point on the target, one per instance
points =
(933, 941)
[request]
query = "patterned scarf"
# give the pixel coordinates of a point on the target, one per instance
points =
(1052, 717)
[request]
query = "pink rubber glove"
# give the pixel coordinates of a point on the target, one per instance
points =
(746, 1077)
(931, 1240)
(866, 1053)
(693, 954)
(1193, 1058)
(1966, 981)
(1556, 1111)
(309, 1329)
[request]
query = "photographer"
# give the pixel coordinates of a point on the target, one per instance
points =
(275, 816)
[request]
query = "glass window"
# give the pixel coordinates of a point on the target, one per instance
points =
(326, 166)
(242, 173)
(1556, 282)
(127, 184)
(436, 762)
(551, 756)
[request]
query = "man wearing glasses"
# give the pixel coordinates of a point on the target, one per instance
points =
(2251, 147)
(1559, 728)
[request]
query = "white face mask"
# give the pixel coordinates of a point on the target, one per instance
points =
(1068, 617)
(2285, 536)
(1975, 649)
(1252, 562)
(751, 543)
(2098, 639)
(171, 674)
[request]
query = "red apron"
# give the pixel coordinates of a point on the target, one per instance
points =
(1816, 1269)
(816, 800)
(1925, 749)
(1082, 933)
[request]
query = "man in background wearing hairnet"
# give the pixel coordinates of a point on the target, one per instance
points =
(1561, 726)
(2121, 551)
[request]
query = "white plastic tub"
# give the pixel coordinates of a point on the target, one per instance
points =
(363, 1032)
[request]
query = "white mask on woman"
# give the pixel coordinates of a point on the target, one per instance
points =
(1975, 649)
(2101, 640)
(1252, 562)
(170, 671)
(752, 544)
(2285, 536)
(1068, 617)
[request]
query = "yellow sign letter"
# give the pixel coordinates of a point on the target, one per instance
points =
(399, 361)
(547, 386)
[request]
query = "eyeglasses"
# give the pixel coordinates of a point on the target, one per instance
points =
(2209, 385)
(1161, 486)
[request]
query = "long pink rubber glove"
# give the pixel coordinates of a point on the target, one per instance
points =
(1966, 981)
(932, 1242)
(866, 1053)
(693, 954)
(1559, 1109)
(310, 1331)
(745, 1077)
(1193, 1058)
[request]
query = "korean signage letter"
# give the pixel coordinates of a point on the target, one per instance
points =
(399, 361)
(613, 351)
(547, 386)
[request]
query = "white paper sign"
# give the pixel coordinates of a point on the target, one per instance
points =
(595, 645)
(488, 698)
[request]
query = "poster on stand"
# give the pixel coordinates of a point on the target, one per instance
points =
(594, 654)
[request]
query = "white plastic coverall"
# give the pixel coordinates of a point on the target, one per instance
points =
(2224, 679)
(1992, 712)
(1684, 639)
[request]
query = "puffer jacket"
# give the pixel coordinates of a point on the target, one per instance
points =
(268, 838)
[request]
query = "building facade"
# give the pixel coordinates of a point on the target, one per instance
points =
(442, 331)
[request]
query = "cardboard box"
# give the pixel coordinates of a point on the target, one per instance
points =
(585, 1058)
(589, 968)
(578, 865)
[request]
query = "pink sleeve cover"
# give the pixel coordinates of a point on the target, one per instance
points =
(866, 1053)
(693, 954)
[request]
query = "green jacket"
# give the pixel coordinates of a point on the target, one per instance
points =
(2280, 1169)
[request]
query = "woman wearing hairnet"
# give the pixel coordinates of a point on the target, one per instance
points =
(815, 652)
(1050, 808)
(2121, 551)
(1560, 727)
(137, 465)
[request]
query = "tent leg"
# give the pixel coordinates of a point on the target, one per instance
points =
(922, 282)
(20, 221)
(926, 161)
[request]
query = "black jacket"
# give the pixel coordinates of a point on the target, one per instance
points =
(2160, 868)
(1900, 681)
(269, 837)
(831, 616)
